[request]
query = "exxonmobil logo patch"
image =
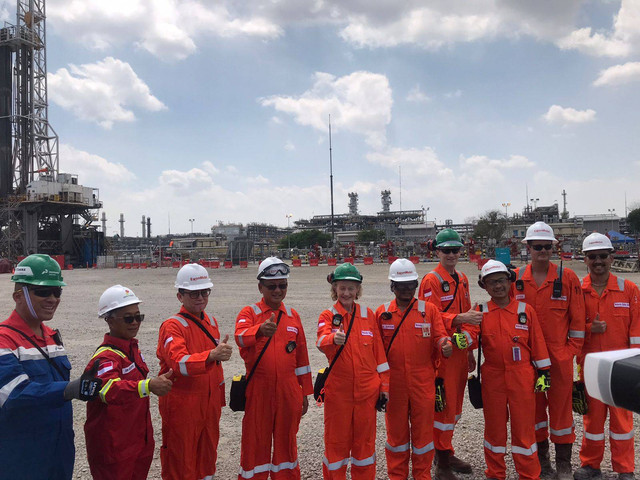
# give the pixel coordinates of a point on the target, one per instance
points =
(202, 277)
(408, 272)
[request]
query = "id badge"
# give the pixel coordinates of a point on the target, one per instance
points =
(426, 330)
(516, 354)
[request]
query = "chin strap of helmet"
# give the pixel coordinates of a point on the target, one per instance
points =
(25, 291)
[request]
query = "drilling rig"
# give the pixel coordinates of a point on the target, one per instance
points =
(41, 209)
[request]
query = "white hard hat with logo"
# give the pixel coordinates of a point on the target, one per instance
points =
(116, 297)
(402, 270)
(193, 277)
(493, 266)
(540, 231)
(272, 268)
(596, 241)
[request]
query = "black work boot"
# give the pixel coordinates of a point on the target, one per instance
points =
(587, 473)
(459, 465)
(546, 470)
(443, 469)
(563, 461)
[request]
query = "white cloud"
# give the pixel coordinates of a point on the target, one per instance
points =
(104, 92)
(185, 182)
(289, 146)
(360, 103)
(454, 94)
(482, 162)
(423, 162)
(92, 170)
(619, 74)
(565, 116)
(594, 43)
(417, 95)
(168, 29)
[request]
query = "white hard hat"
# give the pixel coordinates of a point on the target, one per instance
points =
(193, 277)
(493, 266)
(540, 231)
(272, 268)
(116, 297)
(596, 241)
(402, 270)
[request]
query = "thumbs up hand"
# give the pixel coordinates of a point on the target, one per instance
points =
(269, 327)
(340, 337)
(161, 385)
(222, 352)
(598, 326)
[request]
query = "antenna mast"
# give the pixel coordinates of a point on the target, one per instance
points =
(333, 234)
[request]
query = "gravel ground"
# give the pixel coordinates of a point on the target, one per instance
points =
(308, 293)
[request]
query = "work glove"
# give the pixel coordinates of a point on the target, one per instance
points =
(579, 398)
(441, 401)
(543, 383)
(460, 340)
(86, 387)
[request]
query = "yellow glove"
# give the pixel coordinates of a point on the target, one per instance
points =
(460, 340)
(543, 383)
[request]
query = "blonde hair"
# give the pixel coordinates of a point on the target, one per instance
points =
(334, 294)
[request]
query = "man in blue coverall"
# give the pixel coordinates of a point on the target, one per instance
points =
(36, 423)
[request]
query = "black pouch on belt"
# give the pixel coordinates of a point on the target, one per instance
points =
(237, 396)
(579, 398)
(318, 386)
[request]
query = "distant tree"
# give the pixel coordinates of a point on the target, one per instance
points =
(306, 239)
(366, 236)
(492, 224)
(633, 220)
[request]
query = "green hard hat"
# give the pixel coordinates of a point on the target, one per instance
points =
(448, 238)
(346, 271)
(38, 269)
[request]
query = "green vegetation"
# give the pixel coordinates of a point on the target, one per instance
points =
(492, 224)
(306, 239)
(633, 220)
(371, 236)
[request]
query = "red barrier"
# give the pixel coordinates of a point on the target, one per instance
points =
(332, 262)
(348, 260)
(215, 264)
(121, 265)
(228, 264)
(481, 262)
(69, 267)
(313, 262)
(296, 263)
(368, 260)
(392, 259)
(414, 259)
(244, 264)
(154, 264)
(135, 265)
(175, 264)
(143, 265)
(127, 266)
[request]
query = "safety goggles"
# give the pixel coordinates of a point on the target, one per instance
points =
(129, 319)
(538, 248)
(406, 285)
(449, 250)
(196, 293)
(273, 286)
(275, 270)
(44, 292)
(601, 256)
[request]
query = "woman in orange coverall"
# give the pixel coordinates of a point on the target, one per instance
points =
(358, 380)
(514, 348)
(118, 428)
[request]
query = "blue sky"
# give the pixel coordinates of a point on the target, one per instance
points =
(218, 111)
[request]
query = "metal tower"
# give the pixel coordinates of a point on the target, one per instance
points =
(40, 208)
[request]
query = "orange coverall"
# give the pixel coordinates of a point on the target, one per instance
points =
(191, 411)
(412, 358)
(455, 369)
(358, 377)
(562, 320)
(274, 394)
(513, 348)
(618, 306)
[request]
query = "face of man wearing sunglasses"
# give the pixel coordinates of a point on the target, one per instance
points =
(45, 301)
(195, 301)
(540, 250)
(124, 322)
(449, 257)
(599, 262)
(273, 291)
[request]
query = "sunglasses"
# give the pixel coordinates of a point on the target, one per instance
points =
(497, 281)
(448, 251)
(196, 293)
(405, 285)
(538, 248)
(275, 270)
(47, 292)
(138, 317)
(281, 286)
(601, 256)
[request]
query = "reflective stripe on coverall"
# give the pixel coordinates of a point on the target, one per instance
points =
(118, 429)
(36, 423)
(562, 321)
(191, 411)
(409, 417)
(351, 392)
(455, 369)
(618, 306)
(274, 394)
(513, 349)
